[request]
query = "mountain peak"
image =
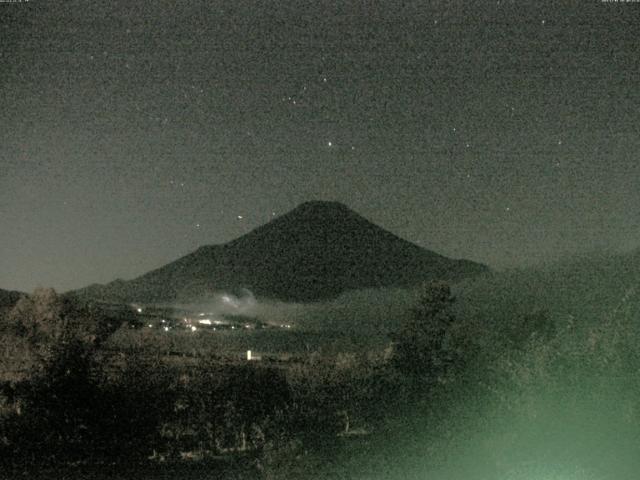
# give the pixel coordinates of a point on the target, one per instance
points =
(321, 208)
(322, 205)
(317, 250)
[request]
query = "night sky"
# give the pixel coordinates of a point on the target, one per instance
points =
(131, 133)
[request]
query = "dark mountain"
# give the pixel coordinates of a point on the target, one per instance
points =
(315, 251)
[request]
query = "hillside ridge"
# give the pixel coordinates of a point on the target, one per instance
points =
(315, 251)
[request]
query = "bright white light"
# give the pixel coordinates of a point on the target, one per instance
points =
(193, 328)
(204, 321)
(229, 300)
(166, 329)
(139, 310)
(150, 326)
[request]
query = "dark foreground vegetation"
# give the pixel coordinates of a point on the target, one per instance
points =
(454, 395)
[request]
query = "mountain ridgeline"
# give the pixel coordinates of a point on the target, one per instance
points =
(314, 252)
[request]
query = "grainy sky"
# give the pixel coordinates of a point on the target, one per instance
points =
(131, 133)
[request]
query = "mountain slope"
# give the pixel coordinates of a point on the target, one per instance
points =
(315, 251)
(587, 288)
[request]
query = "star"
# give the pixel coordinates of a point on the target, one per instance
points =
(330, 144)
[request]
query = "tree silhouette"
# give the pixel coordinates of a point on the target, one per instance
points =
(424, 346)
(51, 324)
